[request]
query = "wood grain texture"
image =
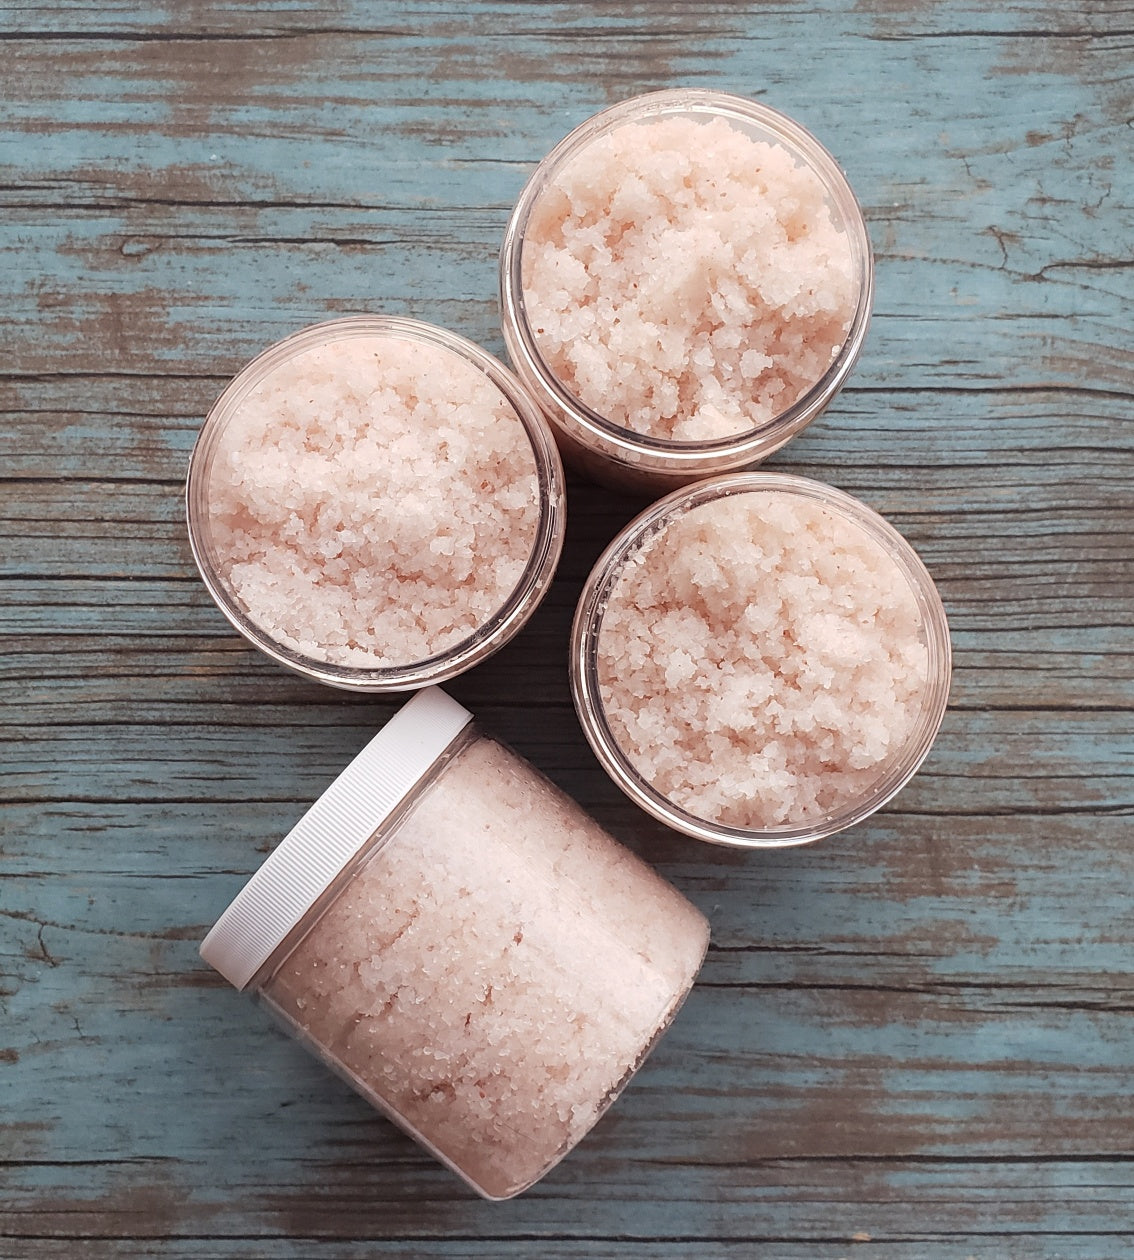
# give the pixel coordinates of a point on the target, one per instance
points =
(911, 1041)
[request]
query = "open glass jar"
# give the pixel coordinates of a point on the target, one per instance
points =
(464, 946)
(376, 503)
(760, 660)
(685, 283)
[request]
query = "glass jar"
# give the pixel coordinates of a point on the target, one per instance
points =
(760, 660)
(464, 946)
(376, 503)
(688, 279)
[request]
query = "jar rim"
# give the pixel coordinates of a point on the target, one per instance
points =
(587, 626)
(625, 444)
(520, 602)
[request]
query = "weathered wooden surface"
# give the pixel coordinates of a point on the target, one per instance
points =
(913, 1040)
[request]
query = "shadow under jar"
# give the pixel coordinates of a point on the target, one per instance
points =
(685, 283)
(376, 503)
(466, 947)
(760, 660)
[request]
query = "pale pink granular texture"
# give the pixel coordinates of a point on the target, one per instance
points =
(373, 502)
(495, 971)
(685, 280)
(761, 659)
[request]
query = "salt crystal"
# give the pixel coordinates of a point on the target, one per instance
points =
(808, 657)
(718, 287)
(502, 967)
(373, 501)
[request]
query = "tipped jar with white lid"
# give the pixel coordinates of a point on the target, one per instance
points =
(760, 660)
(376, 503)
(685, 283)
(465, 946)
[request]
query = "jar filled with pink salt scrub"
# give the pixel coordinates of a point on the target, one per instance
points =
(760, 660)
(685, 283)
(465, 946)
(376, 503)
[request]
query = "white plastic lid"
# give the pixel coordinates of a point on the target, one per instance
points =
(332, 831)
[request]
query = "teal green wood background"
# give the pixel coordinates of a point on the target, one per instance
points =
(914, 1040)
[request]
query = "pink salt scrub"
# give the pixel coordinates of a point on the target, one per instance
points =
(685, 280)
(495, 970)
(373, 501)
(762, 660)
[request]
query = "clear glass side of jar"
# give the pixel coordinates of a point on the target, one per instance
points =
(420, 1087)
(609, 453)
(517, 608)
(584, 660)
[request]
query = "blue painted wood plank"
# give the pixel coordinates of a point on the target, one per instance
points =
(839, 1244)
(963, 244)
(910, 899)
(143, 427)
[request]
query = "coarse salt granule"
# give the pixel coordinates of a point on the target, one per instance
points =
(495, 970)
(373, 501)
(761, 659)
(685, 280)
